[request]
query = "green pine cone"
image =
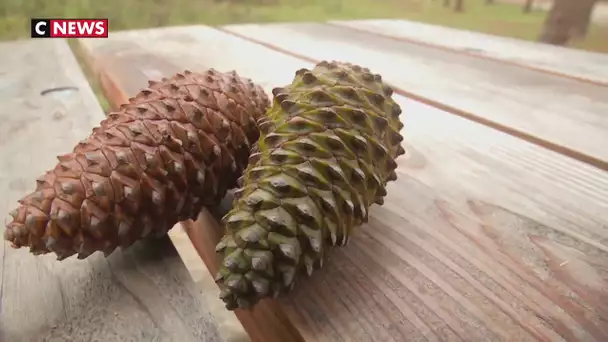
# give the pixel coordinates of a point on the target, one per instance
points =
(326, 151)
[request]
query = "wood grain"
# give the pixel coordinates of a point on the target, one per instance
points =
(124, 68)
(141, 294)
(582, 65)
(561, 114)
(484, 237)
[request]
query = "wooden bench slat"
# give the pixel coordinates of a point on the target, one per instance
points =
(564, 114)
(144, 293)
(483, 236)
(584, 65)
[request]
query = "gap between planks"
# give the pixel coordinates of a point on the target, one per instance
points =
(555, 147)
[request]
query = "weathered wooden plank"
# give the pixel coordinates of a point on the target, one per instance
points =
(583, 65)
(483, 237)
(123, 68)
(561, 114)
(141, 294)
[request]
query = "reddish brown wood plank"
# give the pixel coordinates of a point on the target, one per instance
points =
(482, 237)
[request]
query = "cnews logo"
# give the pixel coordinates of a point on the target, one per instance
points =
(69, 28)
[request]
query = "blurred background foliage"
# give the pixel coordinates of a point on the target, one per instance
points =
(500, 17)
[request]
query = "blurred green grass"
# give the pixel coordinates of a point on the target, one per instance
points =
(503, 19)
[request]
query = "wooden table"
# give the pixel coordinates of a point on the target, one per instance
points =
(497, 228)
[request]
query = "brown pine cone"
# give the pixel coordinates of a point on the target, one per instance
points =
(177, 146)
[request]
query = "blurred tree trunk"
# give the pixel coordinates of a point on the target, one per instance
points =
(528, 6)
(459, 6)
(567, 19)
